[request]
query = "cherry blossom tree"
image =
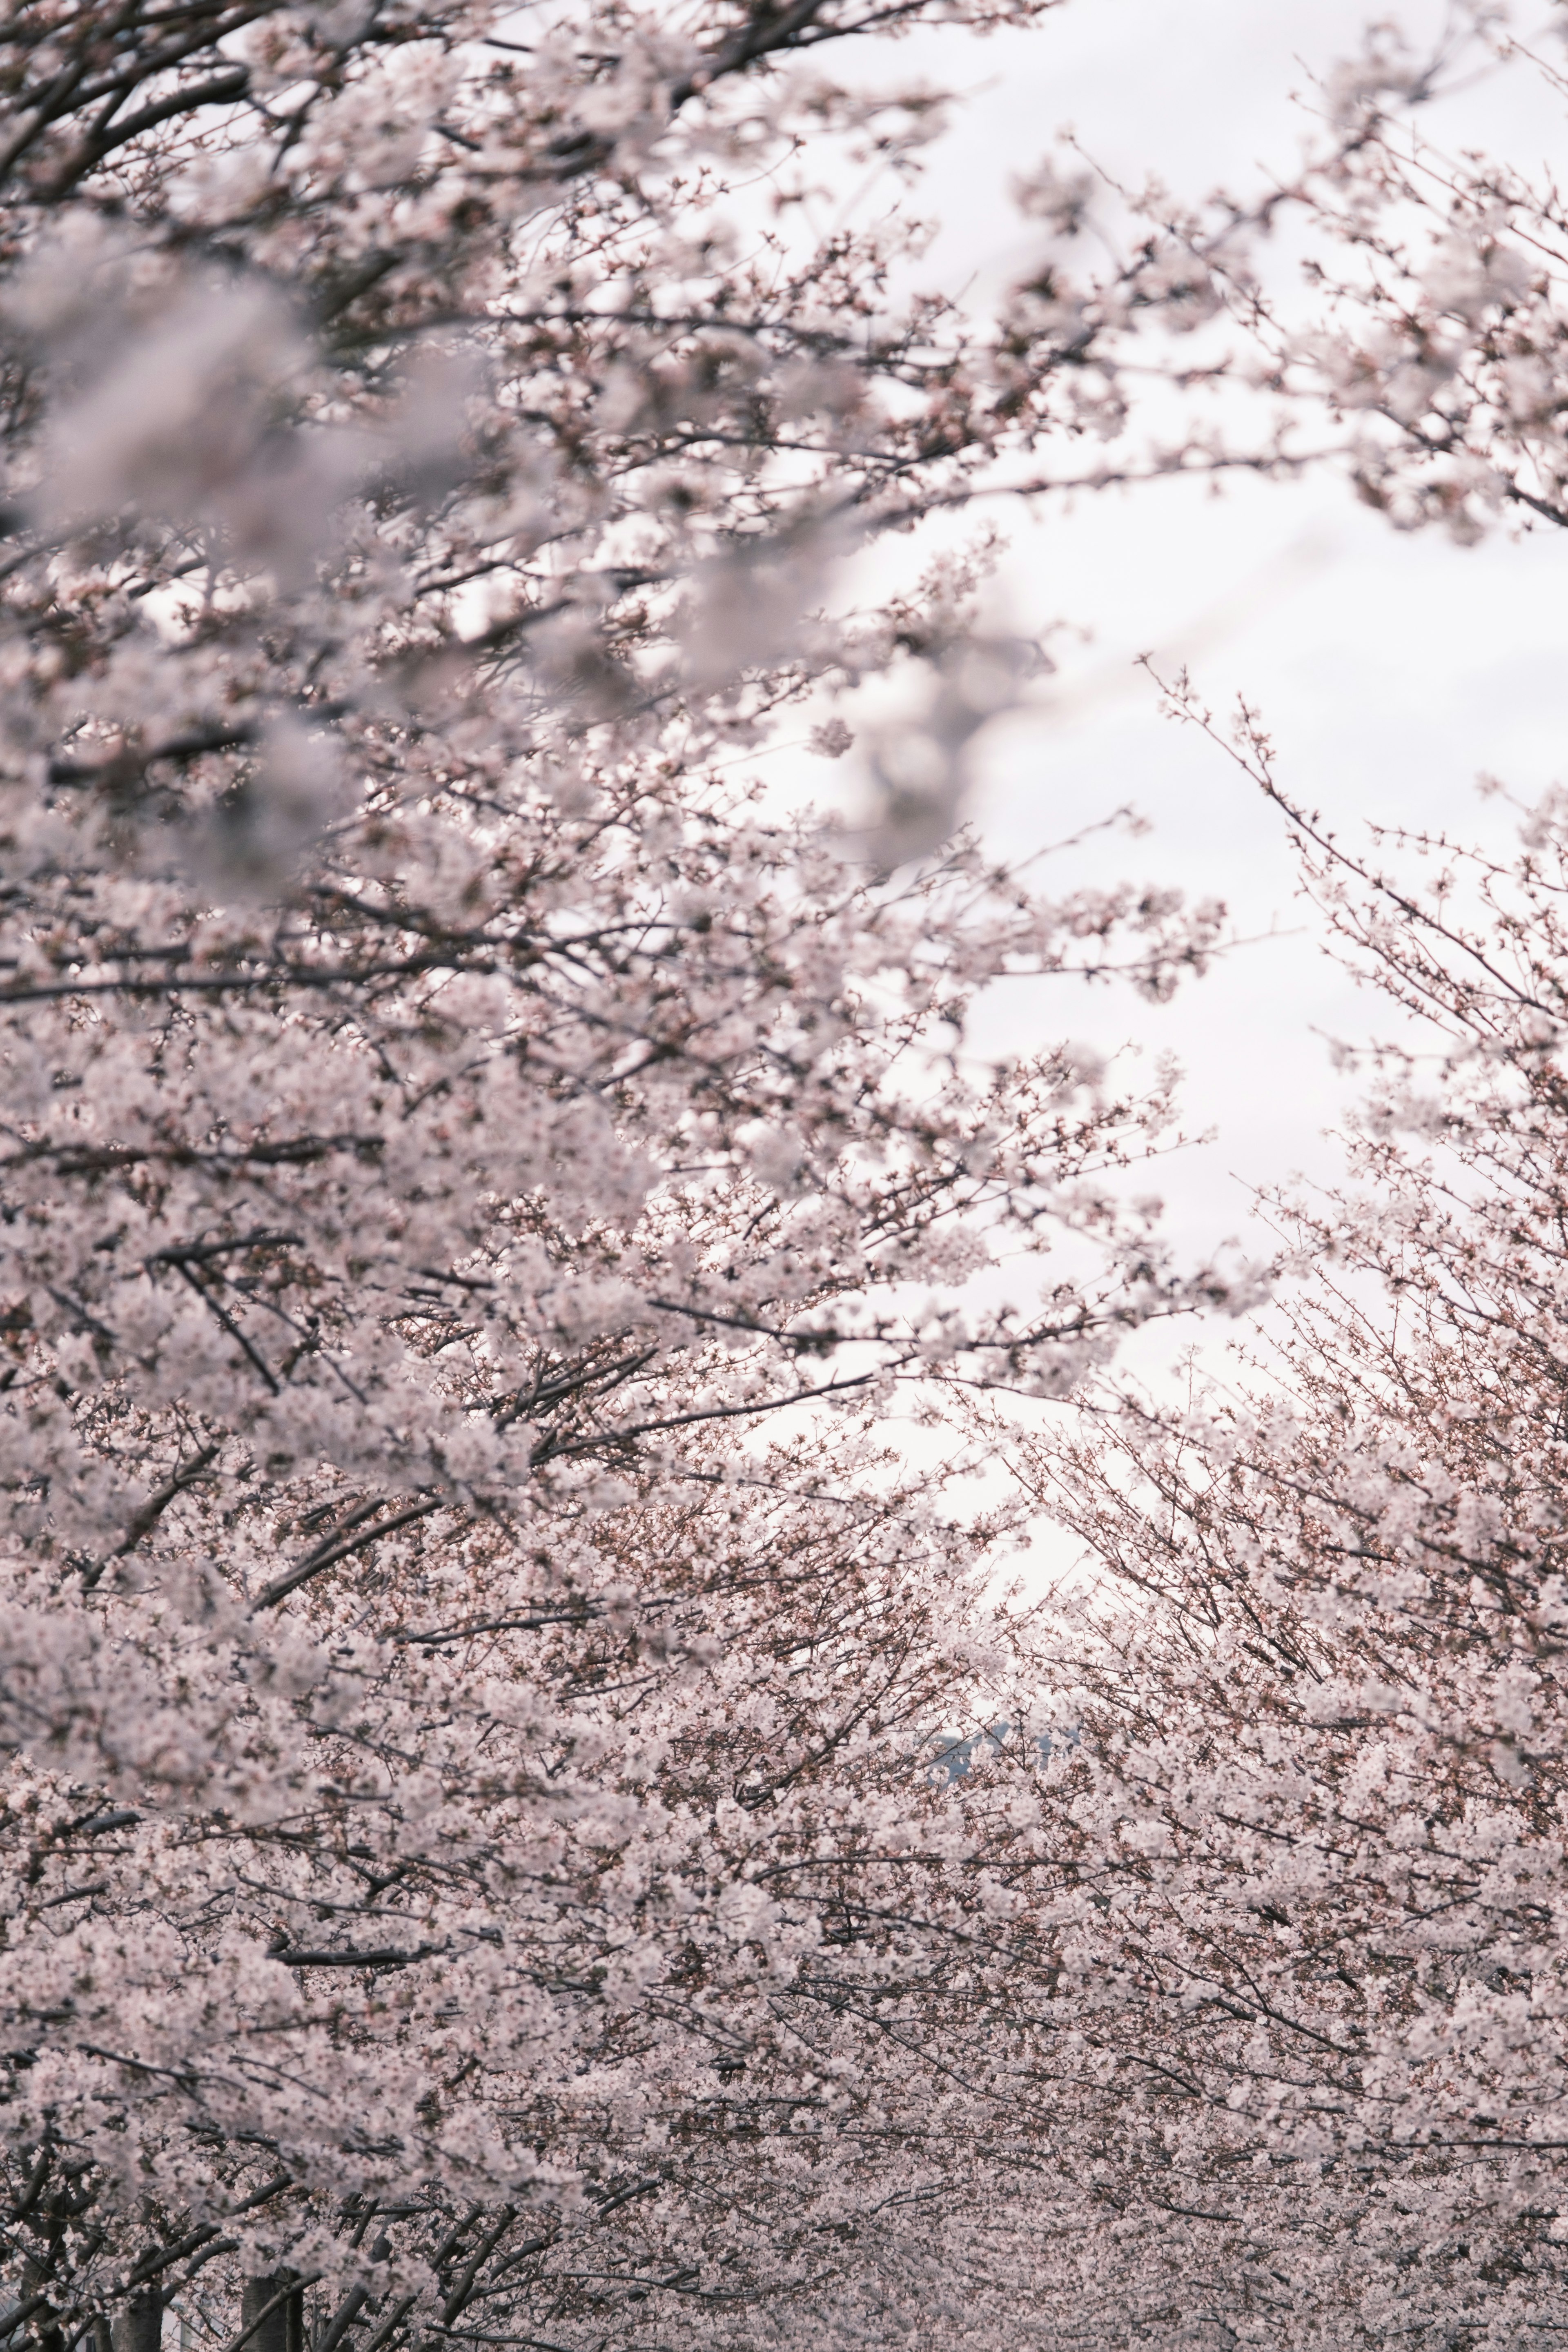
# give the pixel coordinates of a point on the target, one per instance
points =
(1303, 1963)
(1315, 1968)
(483, 1706)
(481, 1866)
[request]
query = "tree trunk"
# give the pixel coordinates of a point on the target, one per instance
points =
(283, 2329)
(140, 2327)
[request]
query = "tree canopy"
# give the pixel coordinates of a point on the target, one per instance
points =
(529, 1817)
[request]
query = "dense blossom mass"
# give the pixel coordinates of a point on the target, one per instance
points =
(525, 1820)
(1328, 1973)
(471, 1822)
